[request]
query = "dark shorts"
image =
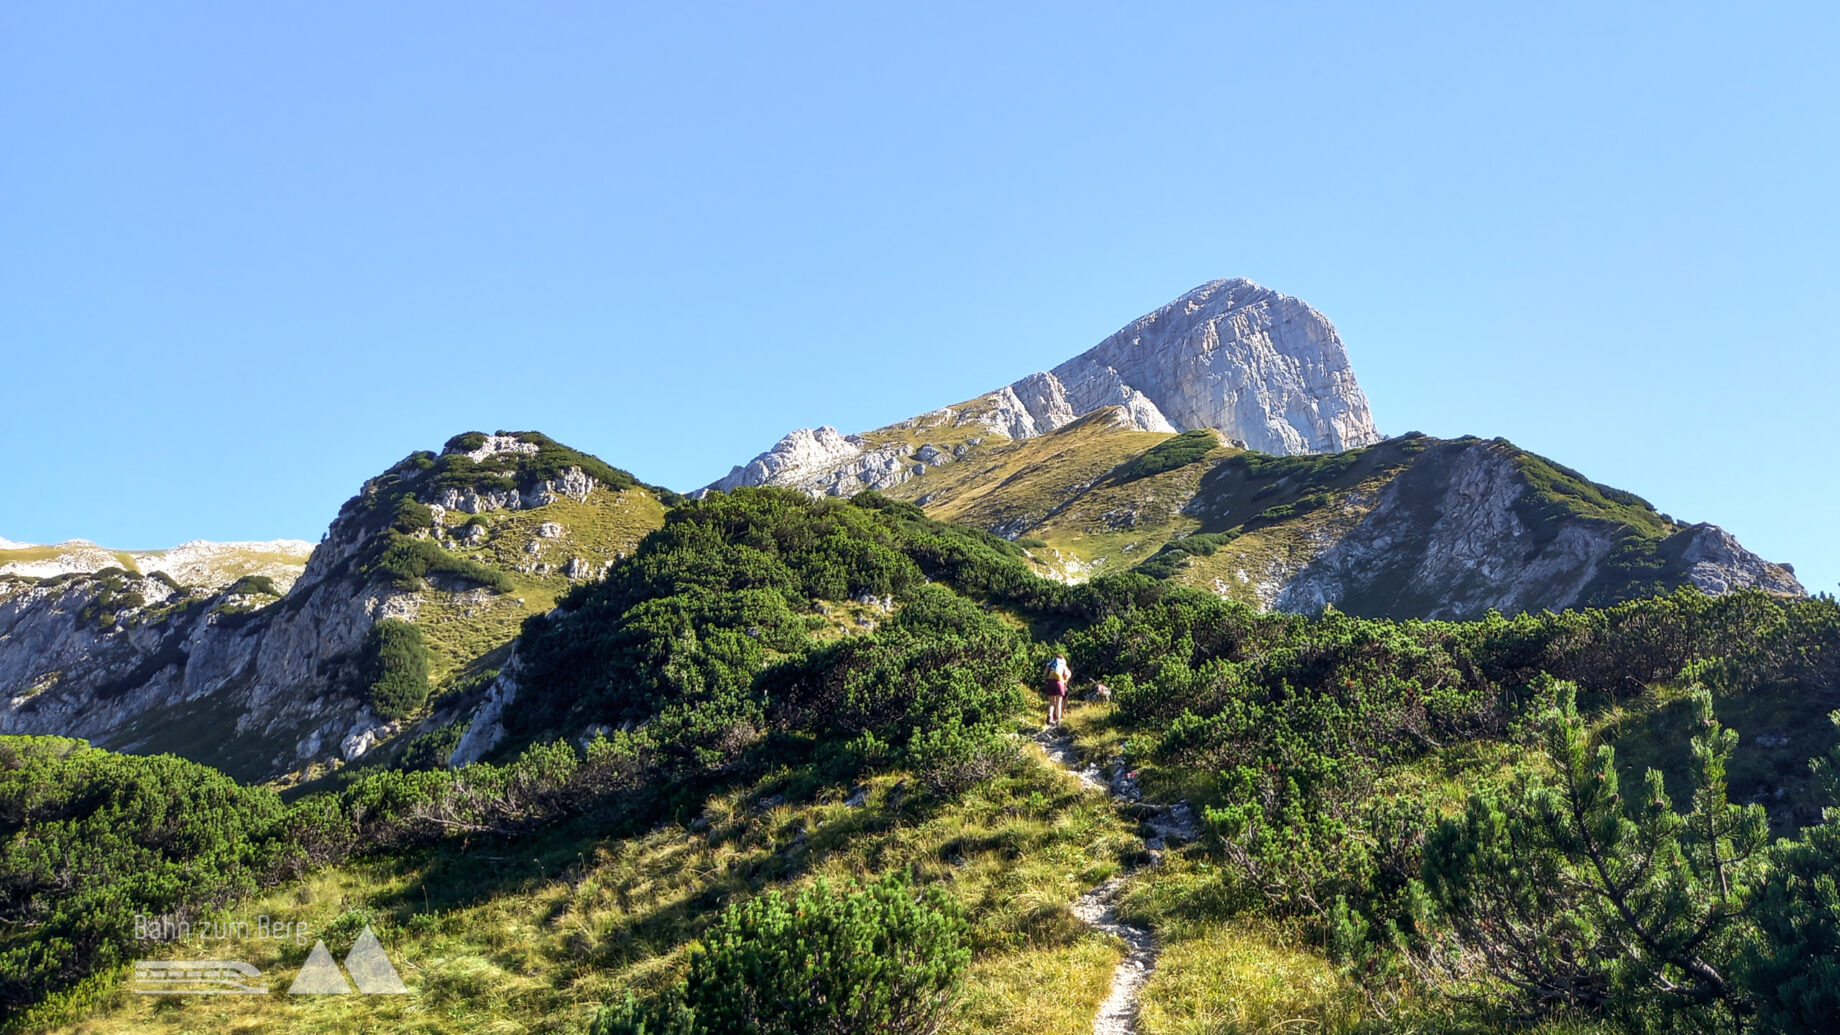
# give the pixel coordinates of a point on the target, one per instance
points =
(1056, 688)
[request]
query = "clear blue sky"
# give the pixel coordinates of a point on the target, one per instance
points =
(251, 254)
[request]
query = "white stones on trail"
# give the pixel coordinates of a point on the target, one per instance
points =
(1097, 908)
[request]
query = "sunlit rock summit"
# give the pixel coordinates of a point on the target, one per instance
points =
(1264, 369)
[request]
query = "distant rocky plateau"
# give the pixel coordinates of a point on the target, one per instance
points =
(199, 563)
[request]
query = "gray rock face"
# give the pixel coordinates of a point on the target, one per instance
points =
(1262, 368)
(1719, 564)
(499, 445)
(257, 694)
(1462, 562)
(487, 727)
(1040, 403)
(269, 683)
(573, 483)
(1444, 540)
(800, 455)
(823, 462)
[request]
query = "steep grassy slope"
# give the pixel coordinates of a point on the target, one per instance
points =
(466, 628)
(1412, 526)
(944, 428)
(1067, 495)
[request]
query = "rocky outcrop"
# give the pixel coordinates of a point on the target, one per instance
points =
(822, 462)
(1040, 403)
(486, 729)
(255, 692)
(573, 483)
(1262, 368)
(1447, 538)
(494, 446)
(1444, 540)
(1717, 563)
(799, 456)
(256, 686)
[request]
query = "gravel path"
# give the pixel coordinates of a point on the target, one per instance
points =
(1097, 908)
(1118, 1014)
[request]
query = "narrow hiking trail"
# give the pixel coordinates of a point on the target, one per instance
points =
(1097, 908)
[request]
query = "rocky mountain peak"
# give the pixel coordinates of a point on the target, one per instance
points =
(1264, 369)
(471, 540)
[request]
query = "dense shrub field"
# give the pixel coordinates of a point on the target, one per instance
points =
(1440, 806)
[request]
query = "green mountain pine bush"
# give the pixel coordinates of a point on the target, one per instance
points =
(397, 668)
(879, 959)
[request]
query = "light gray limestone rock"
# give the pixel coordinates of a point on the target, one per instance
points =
(1264, 369)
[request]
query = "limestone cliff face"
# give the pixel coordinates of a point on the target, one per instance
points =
(1448, 538)
(822, 462)
(256, 692)
(1445, 541)
(1264, 369)
(1718, 563)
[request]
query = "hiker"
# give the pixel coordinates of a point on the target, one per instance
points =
(1058, 675)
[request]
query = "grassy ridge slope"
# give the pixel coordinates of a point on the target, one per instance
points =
(1094, 498)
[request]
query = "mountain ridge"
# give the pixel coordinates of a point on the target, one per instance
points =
(1261, 367)
(449, 553)
(198, 562)
(262, 679)
(1473, 524)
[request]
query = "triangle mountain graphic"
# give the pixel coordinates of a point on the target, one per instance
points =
(320, 976)
(371, 969)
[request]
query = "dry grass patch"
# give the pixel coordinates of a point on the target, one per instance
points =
(1243, 978)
